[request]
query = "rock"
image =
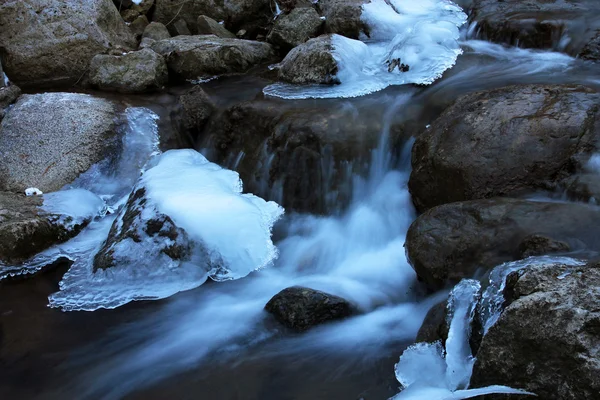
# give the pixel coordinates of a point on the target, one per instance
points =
(434, 326)
(135, 72)
(194, 112)
(8, 95)
(180, 28)
(591, 51)
(505, 142)
(343, 17)
(533, 23)
(251, 15)
(455, 241)
(51, 42)
(129, 15)
(141, 224)
(303, 157)
(288, 5)
(301, 308)
(47, 140)
(194, 57)
(295, 28)
(25, 230)
(3, 77)
(547, 338)
(539, 245)
(156, 31)
(242, 34)
(584, 187)
(311, 62)
(208, 26)
(138, 26)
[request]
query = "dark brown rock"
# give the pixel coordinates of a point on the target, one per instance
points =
(539, 245)
(301, 308)
(208, 26)
(434, 326)
(194, 111)
(505, 142)
(343, 17)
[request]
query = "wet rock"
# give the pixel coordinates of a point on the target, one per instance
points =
(8, 95)
(2, 77)
(51, 42)
(194, 111)
(300, 308)
(180, 27)
(534, 24)
(204, 56)
(434, 327)
(311, 62)
(505, 142)
(141, 226)
(546, 340)
(584, 187)
(539, 245)
(295, 28)
(591, 51)
(154, 32)
(208, 26)
(47, 140)
(252, 15)
(343, 17)
(288, 5)
(25, 230)
(458, 240)
(134, 72)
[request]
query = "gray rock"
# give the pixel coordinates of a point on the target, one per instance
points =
(547, 339)
(301, 308)
(25, 231)
(455, 241)
(193, 57)
(247, 14)
(194, 111)
(138, 26)
(47, 140)
(59, 38)
(295, 28)
(208, 26)
(591, 51)
(539, 245)
(141, 225)
(180, 27)
(134, 72)
(343, 17)
(288, 5)
(311, 62)
(8, 95)
(156, 31)
(505, 142)
(434, 327)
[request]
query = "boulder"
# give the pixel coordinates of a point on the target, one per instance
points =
(8, 95)
(300, 308)
(51, 42)
(344, 17)
(134, 72)
(142, 225)
(252, 15)
(505, 142)
(180, 27)
(295, 28)
(197, 57)
(591, 51)
(152, 33)
(302, 156)
(288, 5)
(547, 338)
(195, 108)
(138, 26)
(208, 26)
(535, 24)
(455, 241)
(25, 230)
(434, 327)
(311, 62)
(47, 140)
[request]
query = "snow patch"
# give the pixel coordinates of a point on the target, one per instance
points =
(32, 191)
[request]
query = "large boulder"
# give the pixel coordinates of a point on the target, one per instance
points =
(51, 42)
(300, 308)
(47, 140)
(304, 156)
(547, 339)
(25, 229)
(251, 15)
(311, 62)
(505, 142)
(344, 17)
(537, 24)
(455, 241)
(134, 72)
(295, 28)
(203, 56)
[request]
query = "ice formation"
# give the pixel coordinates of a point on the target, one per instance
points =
(409, 42)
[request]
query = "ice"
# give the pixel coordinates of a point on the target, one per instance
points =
(74, 206)
(421, 35)
(428, 372)
(32, 191)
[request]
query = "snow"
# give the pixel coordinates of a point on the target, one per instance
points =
(421, 35)
(32, 191)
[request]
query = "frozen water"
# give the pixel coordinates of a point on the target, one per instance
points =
(594, 164)
(74, 206)
(421, 35)
(33, 192)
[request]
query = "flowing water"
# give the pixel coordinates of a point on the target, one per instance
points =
(216, 341)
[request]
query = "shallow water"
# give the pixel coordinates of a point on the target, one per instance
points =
(216, 342)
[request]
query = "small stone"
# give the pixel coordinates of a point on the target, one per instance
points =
(208, 26)
(180, 27)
